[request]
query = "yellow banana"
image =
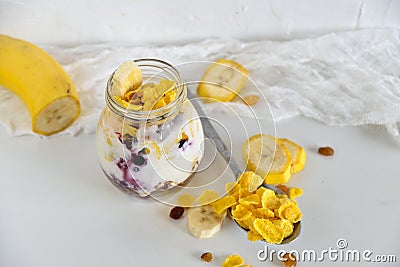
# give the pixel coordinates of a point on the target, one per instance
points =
(41, 83)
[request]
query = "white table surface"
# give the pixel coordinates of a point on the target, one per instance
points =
(58, 209)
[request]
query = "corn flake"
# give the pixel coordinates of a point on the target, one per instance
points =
(233, 261)
(207, 197)
(289, 210)
(245, 178)
(241, 213)
(186, 200)
(295, 192)
(263, 213)
(255, 183)
(223, 204)
(285, 225)
(269, 200)
(254, 236)
(270, 232)
(252, 199)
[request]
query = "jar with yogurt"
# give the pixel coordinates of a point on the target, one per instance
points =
(146, 145)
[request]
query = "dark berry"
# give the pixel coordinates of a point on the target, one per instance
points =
(138, 160)
(182, 142)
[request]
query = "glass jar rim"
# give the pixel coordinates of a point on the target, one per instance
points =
(149, 115)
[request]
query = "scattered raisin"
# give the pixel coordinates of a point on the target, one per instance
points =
(284, 188)
(176, 212)
(289, 260)
(207, 256)
(251, 100)
(326, 151)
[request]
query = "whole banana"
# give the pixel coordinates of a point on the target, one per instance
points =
(41, 83)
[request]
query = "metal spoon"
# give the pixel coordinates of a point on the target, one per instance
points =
(210, 132)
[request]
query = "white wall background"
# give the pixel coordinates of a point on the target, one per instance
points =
(178, 21)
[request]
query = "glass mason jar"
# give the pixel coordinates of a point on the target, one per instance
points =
(142, 152)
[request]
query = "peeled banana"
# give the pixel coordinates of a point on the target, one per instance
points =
(222, 81)
(41, 83)
(204, 222)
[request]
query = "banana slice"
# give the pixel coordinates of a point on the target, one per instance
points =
(127, 77)
(204, 222)
(269, 159)
(228, 73)
(297, 152)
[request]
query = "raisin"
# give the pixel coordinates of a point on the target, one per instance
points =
(176, 212)
(326, 151)
(284, 188)
(207, 256)
(251, 100)
(289, 260)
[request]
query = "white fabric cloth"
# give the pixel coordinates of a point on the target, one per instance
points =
(347, 78)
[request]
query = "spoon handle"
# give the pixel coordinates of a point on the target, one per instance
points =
(210, 132)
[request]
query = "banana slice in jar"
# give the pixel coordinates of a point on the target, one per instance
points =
(222, 81)
(127, 77)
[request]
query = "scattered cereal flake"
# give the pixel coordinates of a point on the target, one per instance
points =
(252, 199)
(241, 213)
(207, 197)
(295, 192)
(233, 261)
(223, 204)
(186, 200)
(251, 100)
(270, 232)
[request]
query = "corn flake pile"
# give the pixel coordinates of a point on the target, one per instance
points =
(149, 96)
(259, 210)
